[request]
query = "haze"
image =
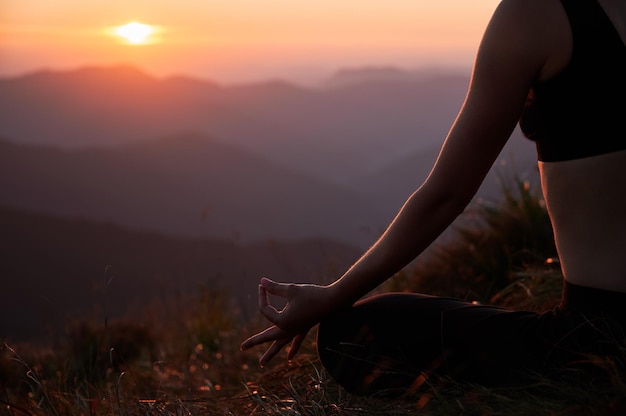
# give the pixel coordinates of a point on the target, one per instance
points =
(178, 157)
(242, 40)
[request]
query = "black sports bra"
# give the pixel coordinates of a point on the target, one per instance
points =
(581, 111)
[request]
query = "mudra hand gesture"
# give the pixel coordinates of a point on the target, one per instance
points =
(306, 305)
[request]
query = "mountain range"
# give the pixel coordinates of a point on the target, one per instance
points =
(265, 160)
(184, 186)
(176, 182)
(56, 271)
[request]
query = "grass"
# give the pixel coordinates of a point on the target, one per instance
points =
(181, 356)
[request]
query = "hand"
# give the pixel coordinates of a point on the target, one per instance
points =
(306, 306)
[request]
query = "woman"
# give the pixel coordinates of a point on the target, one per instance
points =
(558, 67)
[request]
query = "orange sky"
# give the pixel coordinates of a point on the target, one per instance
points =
(240, 40)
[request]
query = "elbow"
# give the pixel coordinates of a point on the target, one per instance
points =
(448, 201)
(454, 204)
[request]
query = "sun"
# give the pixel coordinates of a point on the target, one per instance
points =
(135, 33)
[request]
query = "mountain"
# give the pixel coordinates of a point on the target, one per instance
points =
(177, 182)
(185, 186)
(338, 132)
(369, 134)
(388, 74)
(57, 270)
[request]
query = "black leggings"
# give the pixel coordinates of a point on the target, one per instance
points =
(397, 342)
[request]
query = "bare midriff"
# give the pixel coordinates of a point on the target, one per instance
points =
(586, 199)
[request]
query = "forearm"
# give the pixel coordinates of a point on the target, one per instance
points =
(420, 221)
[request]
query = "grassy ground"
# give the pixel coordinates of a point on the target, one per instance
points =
(174, 370)
(181, 357)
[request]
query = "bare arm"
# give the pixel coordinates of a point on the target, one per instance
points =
(506, 65)
(511, 56)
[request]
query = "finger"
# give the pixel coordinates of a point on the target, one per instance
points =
(276, 288)
(295, 346)
(264, 298)
(270, 334)
(273, 350)
(266, 309)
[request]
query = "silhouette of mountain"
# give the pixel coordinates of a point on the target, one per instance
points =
(187, 186)
(389, 74)
(337, 132)
(54, 270)
(183, 180)
(373, 130)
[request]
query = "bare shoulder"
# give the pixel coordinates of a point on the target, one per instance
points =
(533, 18)
(531, 8)
(537, 31)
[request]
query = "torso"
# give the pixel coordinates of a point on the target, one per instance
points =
(586, 200)
(585, 188)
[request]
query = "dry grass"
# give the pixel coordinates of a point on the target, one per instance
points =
(181, 356)
(171, 374)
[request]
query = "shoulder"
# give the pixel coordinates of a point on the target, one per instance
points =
(533, 18)
(533, 9)
(532, 33)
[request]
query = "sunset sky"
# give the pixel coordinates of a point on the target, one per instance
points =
(241, 40)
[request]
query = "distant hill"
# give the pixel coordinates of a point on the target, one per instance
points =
(183, 181)
(53, 270)
(389, 74)
(191, 158)
(337, 132)
(185, 186)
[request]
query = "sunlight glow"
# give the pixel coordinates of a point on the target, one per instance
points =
(240, 40)
(135, 33)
